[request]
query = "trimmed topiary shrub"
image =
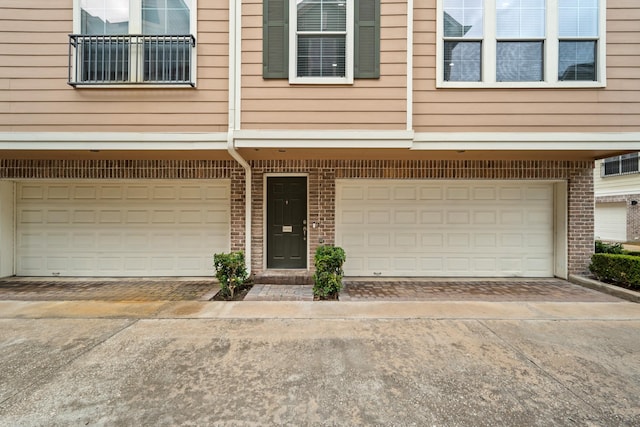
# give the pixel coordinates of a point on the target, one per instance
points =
(621, 270)
(230, 272)
(328, 276)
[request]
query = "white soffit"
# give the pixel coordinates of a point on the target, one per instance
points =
(111, 141)
(526, 141)
(323, 139)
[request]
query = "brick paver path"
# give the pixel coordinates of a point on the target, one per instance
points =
(125, 289)
(167, 289)
(470, 290)
(280, 293)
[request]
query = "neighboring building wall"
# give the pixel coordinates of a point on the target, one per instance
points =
(613, 109)
(367, 104)
(620, 189)
(34, 95)
(323, 173)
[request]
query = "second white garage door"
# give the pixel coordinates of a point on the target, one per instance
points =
(445, 228)
(160, 228)
(611, 222)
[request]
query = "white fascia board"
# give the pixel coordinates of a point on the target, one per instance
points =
(323, 139)
(516, 141)
(112, 141)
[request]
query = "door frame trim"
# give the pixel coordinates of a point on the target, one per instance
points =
(265, 234)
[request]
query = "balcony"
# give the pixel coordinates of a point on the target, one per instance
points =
(102, 60)
(620, 165)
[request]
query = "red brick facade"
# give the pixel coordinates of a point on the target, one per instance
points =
(322, 175)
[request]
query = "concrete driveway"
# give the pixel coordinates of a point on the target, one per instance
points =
(196, 363)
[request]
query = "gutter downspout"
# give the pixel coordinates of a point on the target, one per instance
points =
(234, 120)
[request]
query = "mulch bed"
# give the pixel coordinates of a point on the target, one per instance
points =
(239, 296)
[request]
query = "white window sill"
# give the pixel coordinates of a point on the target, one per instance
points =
(520, 85)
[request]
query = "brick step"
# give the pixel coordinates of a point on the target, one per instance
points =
(283, 277)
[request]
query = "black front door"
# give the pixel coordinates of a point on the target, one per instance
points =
(287, 222)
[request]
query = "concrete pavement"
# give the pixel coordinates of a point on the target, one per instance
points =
(195, 363)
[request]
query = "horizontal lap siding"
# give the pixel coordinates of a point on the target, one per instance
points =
(367, 104)
(615, 108)
(34, 95)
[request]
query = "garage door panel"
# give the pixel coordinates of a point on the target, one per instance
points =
(121, 228)
(445, 228)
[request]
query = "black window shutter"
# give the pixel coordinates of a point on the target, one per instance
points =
(367, 39)
(275, 39)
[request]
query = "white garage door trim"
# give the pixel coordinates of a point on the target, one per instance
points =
(446, 228)
(121, 228)
(611, 222)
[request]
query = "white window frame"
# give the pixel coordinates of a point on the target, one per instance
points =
(293, 49)
(551, 46)
(135, 27)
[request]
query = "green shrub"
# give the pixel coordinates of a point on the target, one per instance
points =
(230, 272)
(328, 276)
(621, 270)
(608, 248)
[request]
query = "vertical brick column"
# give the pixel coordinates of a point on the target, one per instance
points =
(257, 221)
(581, 205)
(633, 218)
(237, 198)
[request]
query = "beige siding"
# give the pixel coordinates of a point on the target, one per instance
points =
(34, 95)
(616, 185)
(367, 104)
(613, 109)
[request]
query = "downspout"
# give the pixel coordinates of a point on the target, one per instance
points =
(409, 65)
(234, 119)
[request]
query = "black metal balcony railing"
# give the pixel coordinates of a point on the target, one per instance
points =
(131, 59)
(620, 165)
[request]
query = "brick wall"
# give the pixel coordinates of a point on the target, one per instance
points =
(321, 180)
(323, 173)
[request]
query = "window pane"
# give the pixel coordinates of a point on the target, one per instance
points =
(321, 56)
(520, 18)
(104, 16)
(519, 62)
(577, 61)
(463, 18)
(578, 18)
(322, 15)
(165, 17)
(462, 61)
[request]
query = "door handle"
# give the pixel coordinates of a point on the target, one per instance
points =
(304, 232)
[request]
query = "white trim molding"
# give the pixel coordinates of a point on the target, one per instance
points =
(112, 141)
(518, 141)
(323, 139)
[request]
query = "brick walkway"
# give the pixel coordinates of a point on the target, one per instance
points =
(280, 293)
(177, 289)
(112, 289)
(470, 290)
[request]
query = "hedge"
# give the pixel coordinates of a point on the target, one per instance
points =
(621, 270)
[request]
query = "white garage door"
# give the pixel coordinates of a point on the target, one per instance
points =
(164, 228)
(611, 221)
(445, 228)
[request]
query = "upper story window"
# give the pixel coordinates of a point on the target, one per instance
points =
(120, 42)
(321, 41)
(521, 43)
(620, 165)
